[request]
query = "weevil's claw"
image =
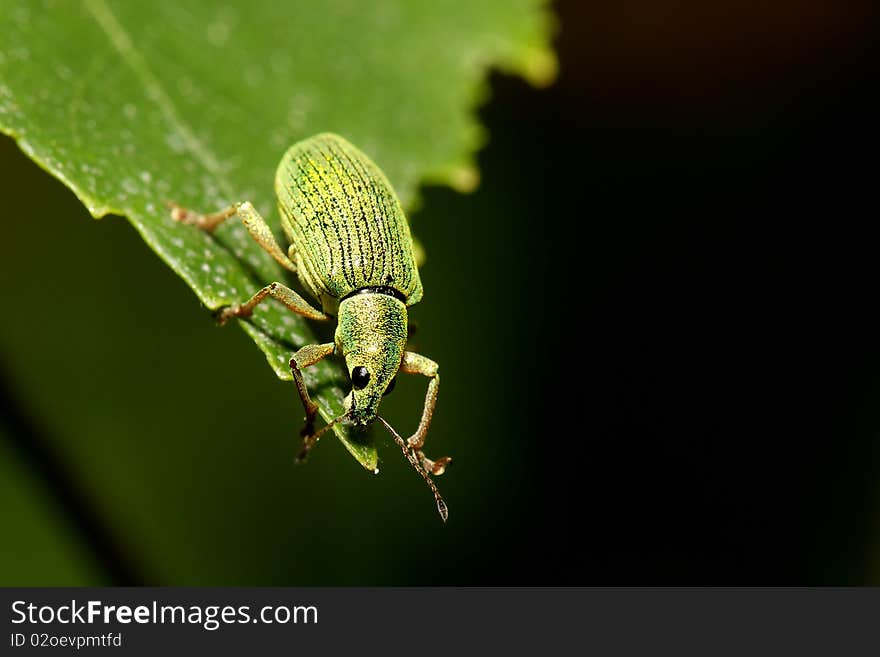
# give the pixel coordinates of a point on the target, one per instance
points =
(178, 212)
(225, 314)
(437, 467)
(302, 457)
(222, 316)
(207, 222)
(310, 438)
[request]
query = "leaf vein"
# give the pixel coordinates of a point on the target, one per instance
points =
(121, 40)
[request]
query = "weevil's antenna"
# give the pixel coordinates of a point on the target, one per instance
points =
(407, 452)
(309, 441)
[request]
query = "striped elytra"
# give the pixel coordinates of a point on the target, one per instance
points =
(346, 227)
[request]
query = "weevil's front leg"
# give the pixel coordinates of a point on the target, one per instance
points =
(257, 227)
(414, 363)
(305, 357)
(277, 291)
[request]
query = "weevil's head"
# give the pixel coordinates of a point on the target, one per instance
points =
(371, 335)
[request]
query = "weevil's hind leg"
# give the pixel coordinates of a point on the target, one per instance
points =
(305, 357)
(414, 363)
(207, 222)
(262, 234)
(278, 291)
(257, 227)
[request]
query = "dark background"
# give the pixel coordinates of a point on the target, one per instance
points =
(655, 320)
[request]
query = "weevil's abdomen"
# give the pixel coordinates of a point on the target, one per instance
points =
(344, 222)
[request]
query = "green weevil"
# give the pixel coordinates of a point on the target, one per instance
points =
(351, 248)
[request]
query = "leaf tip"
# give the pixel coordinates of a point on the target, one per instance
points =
(465, 178)
(540, 67)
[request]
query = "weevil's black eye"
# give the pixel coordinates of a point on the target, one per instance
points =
(360, 377)
(390, 387)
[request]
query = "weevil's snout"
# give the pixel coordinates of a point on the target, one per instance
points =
(363, 415)
(369, 382)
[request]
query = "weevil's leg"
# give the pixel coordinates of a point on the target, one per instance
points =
(255, 224)
(305, 357)
(437, 467)
(207, 222)
(277, 291)
(262, 234)
(414, 363)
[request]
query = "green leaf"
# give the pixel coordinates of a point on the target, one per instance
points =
(134, 104)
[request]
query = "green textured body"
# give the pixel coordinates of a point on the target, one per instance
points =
(346, 228)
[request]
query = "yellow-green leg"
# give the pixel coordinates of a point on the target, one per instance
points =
(255, 224)
(277, 291)
(306, 357)
(414, 363)
(262, 234)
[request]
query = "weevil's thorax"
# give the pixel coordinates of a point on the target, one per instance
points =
(370, 334)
